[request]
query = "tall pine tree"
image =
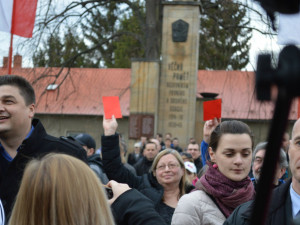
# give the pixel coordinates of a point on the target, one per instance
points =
(57, 52)
(224, 38)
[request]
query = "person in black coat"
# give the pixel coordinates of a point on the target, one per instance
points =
(164, 185)
(144, 164)
(193, 149)
(176, 146)
(23, 138)
(136, 155)
(132, 207)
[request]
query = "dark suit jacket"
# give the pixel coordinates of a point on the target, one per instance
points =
(37, 145)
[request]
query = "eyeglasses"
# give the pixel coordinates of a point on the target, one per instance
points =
(170, 166)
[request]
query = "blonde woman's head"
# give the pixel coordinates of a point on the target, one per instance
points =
(60, 189)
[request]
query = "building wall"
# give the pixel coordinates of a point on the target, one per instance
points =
(260, 129)
(64, 125)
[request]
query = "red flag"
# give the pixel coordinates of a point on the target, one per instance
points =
(18, 16)
(23, 17)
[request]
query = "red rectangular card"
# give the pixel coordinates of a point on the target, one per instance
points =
(212, 109)
(111, 105)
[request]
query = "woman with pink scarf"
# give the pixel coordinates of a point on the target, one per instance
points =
(225, 185)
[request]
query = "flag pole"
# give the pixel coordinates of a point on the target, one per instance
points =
(12, 31)
(10, 53)
(22, 23)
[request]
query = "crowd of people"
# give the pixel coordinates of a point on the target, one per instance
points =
(49, 180)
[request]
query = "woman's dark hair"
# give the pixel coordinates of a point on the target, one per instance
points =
(229, 127)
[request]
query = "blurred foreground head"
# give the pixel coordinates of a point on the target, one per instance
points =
(60, 189)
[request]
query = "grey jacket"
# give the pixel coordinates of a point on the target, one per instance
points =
(96, 165)
(197, 208)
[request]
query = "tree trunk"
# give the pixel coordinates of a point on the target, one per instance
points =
(153, 29)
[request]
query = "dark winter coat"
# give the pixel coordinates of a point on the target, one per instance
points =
(134, 208)
(280, 211)
(114, 169)
(132, 159)
(198, 164)
(37, 145)
(142, 166)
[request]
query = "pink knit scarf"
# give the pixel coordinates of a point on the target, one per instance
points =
(227, 193)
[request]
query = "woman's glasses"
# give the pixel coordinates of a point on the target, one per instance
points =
(171, 166)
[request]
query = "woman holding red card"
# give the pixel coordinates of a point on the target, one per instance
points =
(164, 185)
(225, 185)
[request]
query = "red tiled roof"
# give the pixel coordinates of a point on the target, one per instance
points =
(82, 91)
(236, 89)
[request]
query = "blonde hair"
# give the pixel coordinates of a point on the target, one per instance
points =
(184, 181)
(60, 189)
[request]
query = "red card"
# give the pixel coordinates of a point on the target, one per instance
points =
(111, 105)
(212, 109)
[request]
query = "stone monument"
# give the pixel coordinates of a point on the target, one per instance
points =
(179, 69)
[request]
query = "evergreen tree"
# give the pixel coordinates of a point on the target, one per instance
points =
(50, 56)
(224, 40)
(106, 22)
(98, 28)
(127, 46)
(63, 52)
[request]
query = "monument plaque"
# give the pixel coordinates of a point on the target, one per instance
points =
(141, 125)
(179, 31)
(148, 126)
(135, 126)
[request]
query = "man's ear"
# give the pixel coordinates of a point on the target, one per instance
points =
(282, 172)
(90, 151)
(31, 108)
(211, 154)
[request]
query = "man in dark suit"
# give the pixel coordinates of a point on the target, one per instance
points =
(22, 137)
